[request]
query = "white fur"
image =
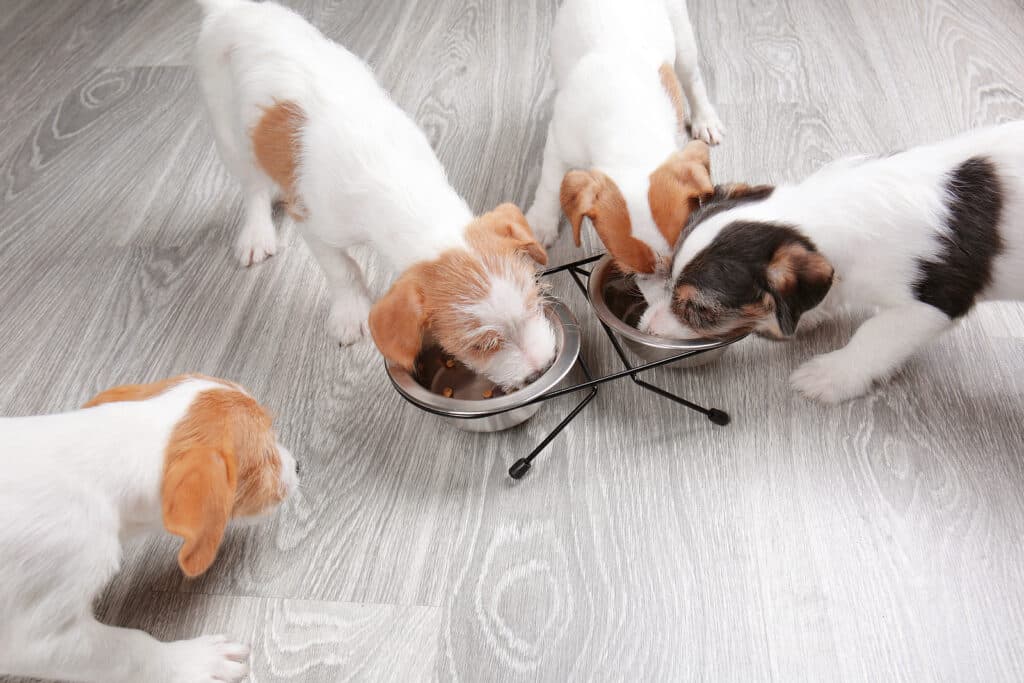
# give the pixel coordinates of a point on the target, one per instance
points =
(873, 219)
(367, 175)
(611, 111)
(73, 488)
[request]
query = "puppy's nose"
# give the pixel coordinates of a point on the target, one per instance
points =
(534, 377)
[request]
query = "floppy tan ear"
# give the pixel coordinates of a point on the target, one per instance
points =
(198, 491)
(799, 278)
(594, 195)
(398, 320)
(677, 187)
(508, 224)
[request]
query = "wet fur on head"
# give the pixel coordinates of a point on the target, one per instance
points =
(483, 304)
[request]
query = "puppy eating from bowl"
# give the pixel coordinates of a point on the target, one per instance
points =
(298, 117)
(914, 238)
(624, 71)
(184, 456)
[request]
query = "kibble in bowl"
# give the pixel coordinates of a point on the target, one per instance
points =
(447, 388)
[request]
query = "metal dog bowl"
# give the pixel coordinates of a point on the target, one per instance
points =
(619, 304)
(467, 408)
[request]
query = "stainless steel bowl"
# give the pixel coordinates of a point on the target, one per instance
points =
(619, 304)
(467, 408)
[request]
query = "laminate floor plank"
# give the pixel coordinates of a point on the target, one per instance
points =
(876, 540)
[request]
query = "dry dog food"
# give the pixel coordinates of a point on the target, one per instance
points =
(449, 363)
(448, 391)
(489, 393)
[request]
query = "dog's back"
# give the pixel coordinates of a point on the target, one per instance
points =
(640, 28)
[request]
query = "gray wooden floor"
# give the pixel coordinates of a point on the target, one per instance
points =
(878, 540)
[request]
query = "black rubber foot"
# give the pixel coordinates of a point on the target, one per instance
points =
(719, 417)
(519, 468)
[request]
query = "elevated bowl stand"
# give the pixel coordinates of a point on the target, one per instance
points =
(578, 272)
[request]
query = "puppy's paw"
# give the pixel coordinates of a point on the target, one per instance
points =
(706, 126)
(256, 243)
(543, 225)
(208, 659)
(831, 378)
(348, 321)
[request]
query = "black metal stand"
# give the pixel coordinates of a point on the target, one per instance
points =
(576, 271)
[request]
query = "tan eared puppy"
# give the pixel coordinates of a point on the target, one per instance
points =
(183, 456)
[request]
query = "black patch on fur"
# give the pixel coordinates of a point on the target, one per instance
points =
(732, 273)
(724, 198)
(963, 268)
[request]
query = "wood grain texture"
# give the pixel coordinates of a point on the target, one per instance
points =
(878, 540)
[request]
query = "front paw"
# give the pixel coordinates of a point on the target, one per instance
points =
(256, 243)
(348, 321)
(831, 378)
(706, 126)
(209, 659)
(543, 225)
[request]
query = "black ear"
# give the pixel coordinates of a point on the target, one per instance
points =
(798, 279)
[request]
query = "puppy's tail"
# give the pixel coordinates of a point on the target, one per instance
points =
(212, 6)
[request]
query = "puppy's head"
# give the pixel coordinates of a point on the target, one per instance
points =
(222, 462)
(730, 277)
(483, 304)
(639, 216)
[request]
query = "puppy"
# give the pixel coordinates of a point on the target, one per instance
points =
(619, 114)
(185, 456)
(916, 237)
(300, 118)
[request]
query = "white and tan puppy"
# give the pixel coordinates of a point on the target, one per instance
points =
(915, 238)
(298, 117)
(617, 120)
(182, 456)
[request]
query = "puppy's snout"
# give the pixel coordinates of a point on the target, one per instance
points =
(534, 377)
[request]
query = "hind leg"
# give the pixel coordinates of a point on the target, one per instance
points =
(704, 122)
(546, 212)
(257, 240)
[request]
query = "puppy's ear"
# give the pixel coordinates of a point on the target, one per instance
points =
(677, 187)
(509, 224)
(799, 277)
(594, 195)
(398, 320)
(197, 493)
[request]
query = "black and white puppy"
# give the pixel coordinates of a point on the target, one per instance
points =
(917, 237)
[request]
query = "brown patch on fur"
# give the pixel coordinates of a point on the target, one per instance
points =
(594, 195)
(670, 82)
(221, 462)
(505, 231)
(677, 187)
(276, 143)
